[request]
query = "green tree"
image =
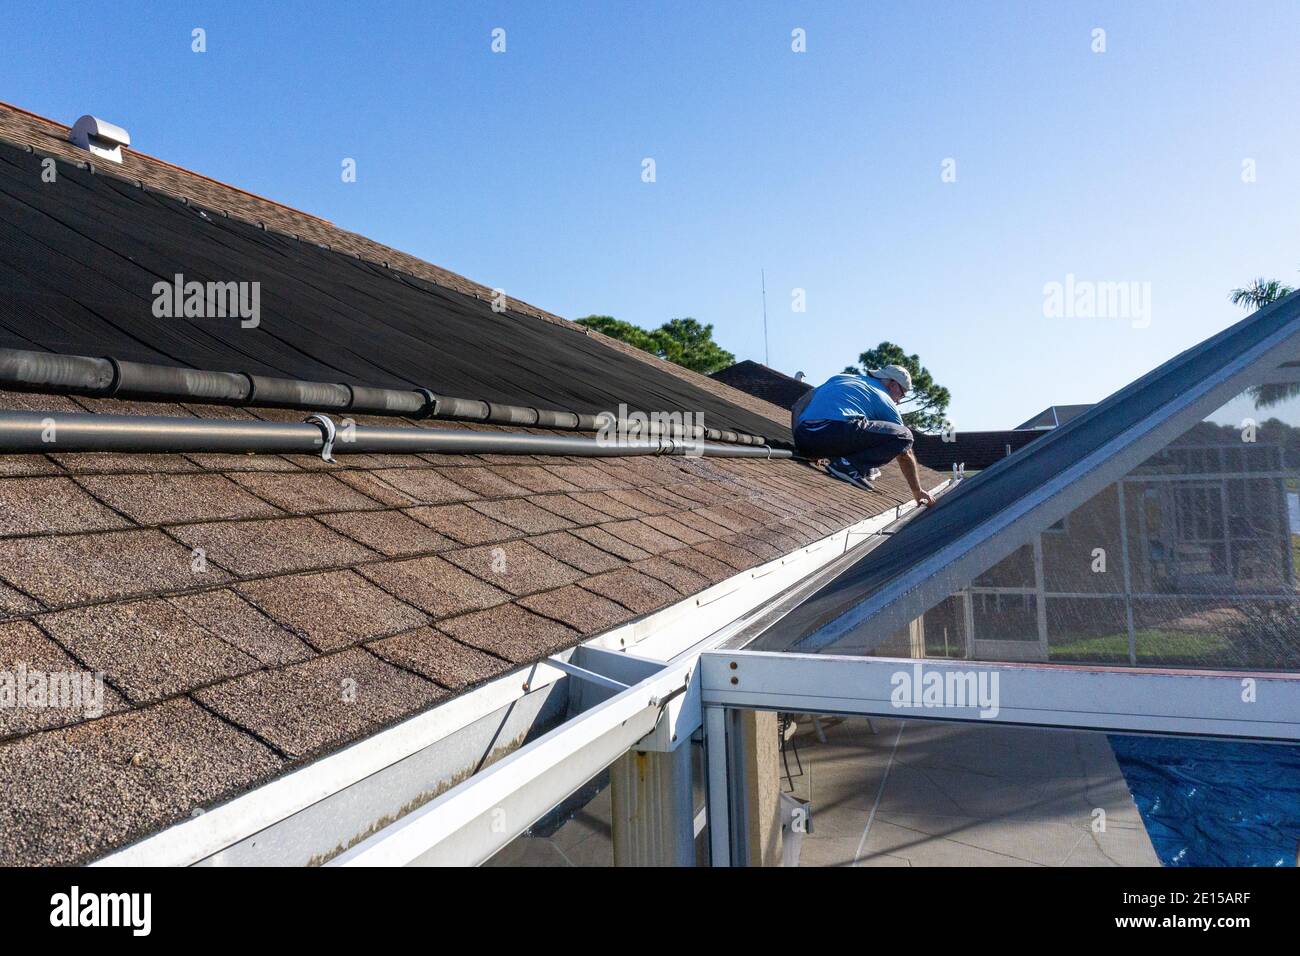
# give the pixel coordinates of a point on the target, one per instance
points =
(926, 405)
(690, 344)
(685, 342)
(1254, 297)
(623, 331)
(1259, 293)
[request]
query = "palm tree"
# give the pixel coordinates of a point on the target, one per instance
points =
(1254, 297)
(1259, 293)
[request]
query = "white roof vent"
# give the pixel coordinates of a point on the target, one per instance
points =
(102, 139)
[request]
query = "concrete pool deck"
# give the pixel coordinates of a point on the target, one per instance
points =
(923, 793)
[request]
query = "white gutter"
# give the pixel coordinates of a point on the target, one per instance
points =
(473, 821)
(357, 769)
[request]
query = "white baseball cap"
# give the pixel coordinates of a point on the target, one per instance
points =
(893, 373)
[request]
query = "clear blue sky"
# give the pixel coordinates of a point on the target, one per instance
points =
(523, 170)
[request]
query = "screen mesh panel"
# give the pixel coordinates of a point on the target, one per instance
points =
(1188, 561)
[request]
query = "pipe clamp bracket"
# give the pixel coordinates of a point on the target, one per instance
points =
(328, 431)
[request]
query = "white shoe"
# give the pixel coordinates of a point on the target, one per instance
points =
(836, 470)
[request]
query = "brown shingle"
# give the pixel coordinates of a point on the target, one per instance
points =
(232, 462)
(602, 502)
(27, 402)
(761, 549)
(721, 515)
(533, 477)
(148, 649)
(131, 406)
(425, 485)
(463, 524)
(745, 509)
(333, 609)
(434, 586)
(274, 546)
(695, 493)
(514, 566)
(520, 514)
(306, 708)
(574, 551)
(15, 602)
(25, 654)
(710, 568)
(586, 612)
(109, 463)
(164, 499)
(638, 472)
(391, 533)
(87, 567)
(439, 658)
(566, 506)
(697, 522)
(304, 494)
(728, 554)
(44, 505)
(633, 590)
(638, 501)
(485, 482)
(511, 632)
(666, 524)
(607, 542)
(21, 466)
(73, 794)
(680, 578)
(372, 487)
(643, 536)
(674, 501)
(238, 623)
(587, 477)
(785, 539)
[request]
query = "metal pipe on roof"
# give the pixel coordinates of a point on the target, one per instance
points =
(109, 377)
(43, 432)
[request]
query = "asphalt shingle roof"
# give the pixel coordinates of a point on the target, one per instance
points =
(252, 612)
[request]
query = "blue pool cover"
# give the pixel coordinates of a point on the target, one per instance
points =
(1215, 803)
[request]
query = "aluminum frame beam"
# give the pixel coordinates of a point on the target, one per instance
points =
(1264, 707)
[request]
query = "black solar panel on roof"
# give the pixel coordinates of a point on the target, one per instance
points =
(79, 258)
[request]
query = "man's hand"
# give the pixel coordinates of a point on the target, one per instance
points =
(907, 464)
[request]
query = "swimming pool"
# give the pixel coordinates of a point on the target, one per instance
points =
(1215, 803)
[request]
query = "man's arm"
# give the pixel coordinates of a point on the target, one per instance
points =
(907, 464)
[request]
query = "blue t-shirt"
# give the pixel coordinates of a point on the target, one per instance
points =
(845, 397)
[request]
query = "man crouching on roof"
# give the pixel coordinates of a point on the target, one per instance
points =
(854, 421)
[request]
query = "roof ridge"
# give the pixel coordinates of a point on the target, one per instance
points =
(181, 169)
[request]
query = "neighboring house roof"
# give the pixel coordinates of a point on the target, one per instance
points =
(975, 450)
(986, 518)
(229, 599)
(763, 382)
(1053, 416)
